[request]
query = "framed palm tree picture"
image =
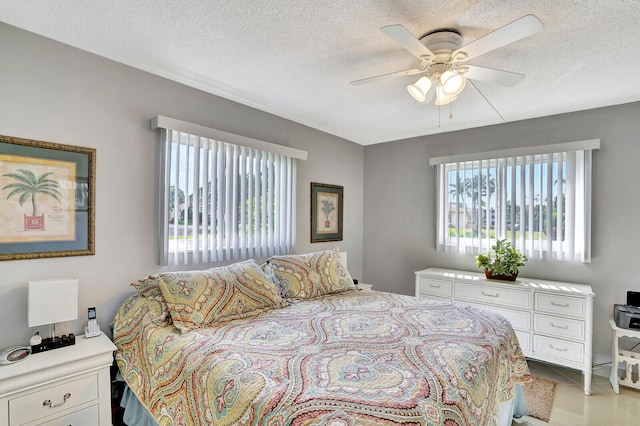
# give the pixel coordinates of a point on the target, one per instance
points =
(46, 199)
(326, 212)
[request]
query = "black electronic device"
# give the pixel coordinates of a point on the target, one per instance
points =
(633, 298)
(54, 343)
(626, 316)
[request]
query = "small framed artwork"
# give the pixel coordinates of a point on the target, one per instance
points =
(326, 212)
(46, 199)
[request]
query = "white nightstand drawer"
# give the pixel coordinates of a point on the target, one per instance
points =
(52, 400)
(84, 417)
(561, 327)
(498, 295)
(556, 348)
(557, 304)
(435, 287)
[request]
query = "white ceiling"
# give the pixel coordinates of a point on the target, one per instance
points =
(296, 58)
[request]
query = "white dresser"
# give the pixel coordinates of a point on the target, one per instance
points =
(60, 387)
(553, 320)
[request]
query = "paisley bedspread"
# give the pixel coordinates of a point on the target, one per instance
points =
(360, 357)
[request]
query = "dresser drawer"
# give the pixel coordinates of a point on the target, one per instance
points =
(564, 305)
(518, 319)
(556, 348)
(561, 327)
(435, 287)
(52, 400)
(434, 298)
(84, 417)
(524, 339)
(498, 295)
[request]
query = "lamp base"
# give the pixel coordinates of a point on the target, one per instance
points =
(54, 343)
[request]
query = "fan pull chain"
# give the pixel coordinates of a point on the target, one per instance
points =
(450, 113)
(438, 116)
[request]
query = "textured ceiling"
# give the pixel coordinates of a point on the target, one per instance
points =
(296, 58)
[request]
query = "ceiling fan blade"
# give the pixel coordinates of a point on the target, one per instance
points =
(516, 30)
(413, 71)
(404, 38)
(490, 75)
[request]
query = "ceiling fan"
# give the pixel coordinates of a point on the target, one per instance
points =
(443, 59)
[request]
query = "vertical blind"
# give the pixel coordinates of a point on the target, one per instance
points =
(539, 201)
(222, 201)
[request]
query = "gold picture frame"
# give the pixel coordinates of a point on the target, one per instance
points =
(47, 199)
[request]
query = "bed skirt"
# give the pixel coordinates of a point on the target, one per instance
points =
(135, 414)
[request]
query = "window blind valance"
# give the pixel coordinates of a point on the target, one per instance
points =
(162, 122)
(589, 144)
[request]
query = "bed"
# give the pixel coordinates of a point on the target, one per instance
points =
(294, 343)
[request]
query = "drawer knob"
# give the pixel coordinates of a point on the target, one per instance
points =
(562, 305)
(434, 286)
(559, 326)
(47, 402)
(490, 295)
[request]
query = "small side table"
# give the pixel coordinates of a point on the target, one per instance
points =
(362, 286)
(68, 385)
(631, 360)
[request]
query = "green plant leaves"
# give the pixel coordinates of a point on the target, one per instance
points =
(503, 260)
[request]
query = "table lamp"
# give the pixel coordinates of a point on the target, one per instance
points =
(51, 302)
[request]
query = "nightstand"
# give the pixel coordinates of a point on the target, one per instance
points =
(630, 359)
(65, 386)
(362, 286)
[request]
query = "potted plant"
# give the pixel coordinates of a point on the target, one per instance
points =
(30, 186)
(502, 263)
(327, 208)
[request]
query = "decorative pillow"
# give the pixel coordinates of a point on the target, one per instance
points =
(149, 289)
(203, 298)
(270, 273)
(311, 275)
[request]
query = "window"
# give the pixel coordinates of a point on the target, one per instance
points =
(223, 196)
(538, 198)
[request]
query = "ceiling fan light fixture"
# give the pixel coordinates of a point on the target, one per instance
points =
(442, 98)
(419, 89)
(452, 83)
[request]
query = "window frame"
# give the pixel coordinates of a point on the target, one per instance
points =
(510, 170)
(234, 156)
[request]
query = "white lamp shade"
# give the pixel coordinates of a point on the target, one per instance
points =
(442, 98)
(52, 301)
(420, 88)
(452, 83)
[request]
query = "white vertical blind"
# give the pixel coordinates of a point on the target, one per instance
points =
(540, 202)
(221, 201)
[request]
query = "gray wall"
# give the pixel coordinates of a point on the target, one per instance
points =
(52, 92)
(56, 93)
(400, 200)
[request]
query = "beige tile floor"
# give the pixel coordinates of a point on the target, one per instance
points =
(572, 407)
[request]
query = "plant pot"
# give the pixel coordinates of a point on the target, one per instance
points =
(490, 276)
(33, 222)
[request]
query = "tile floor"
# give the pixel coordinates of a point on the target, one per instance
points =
(572, 407)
